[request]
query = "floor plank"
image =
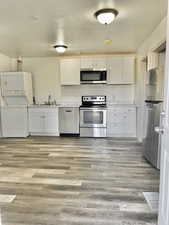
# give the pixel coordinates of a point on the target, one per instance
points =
(75, 181)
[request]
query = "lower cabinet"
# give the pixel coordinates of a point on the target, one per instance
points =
(43, 121)
(121, 122)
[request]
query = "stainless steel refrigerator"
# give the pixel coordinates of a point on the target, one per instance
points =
(152, 141)
(153, 110)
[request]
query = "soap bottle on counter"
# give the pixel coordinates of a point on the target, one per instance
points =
(34, 100)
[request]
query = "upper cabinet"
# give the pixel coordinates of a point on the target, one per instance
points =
(129, 70)
(96, 63)
(70, 71)
(115, 71)
(121, 69)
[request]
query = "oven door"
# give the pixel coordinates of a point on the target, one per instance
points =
(93, 118)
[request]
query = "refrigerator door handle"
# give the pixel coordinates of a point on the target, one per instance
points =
(159, 130)
(163, 114)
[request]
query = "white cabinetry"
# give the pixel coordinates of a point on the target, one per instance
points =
(43, 121)
(97, 63)
(121, 122)
(121, 69)
(70, 71)
(129, 70)
(115, 70)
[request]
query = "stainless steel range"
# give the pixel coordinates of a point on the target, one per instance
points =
(93, 116)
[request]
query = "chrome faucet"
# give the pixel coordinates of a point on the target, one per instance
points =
(49, 99)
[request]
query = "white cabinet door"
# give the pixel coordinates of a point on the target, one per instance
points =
(86, 63)
(115, 122)
(70, 71)
(129, 122)
(36, 122)
(121, 70)
(43, 121)
(121, 122)
(114, 67)
(51, 122)
(128, 70)
(96, 63)
(100, 63)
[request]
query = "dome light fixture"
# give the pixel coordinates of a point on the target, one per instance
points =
(106, 16)
(60, 48)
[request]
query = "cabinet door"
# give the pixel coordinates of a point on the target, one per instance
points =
(96, 63)
(51, 122)
(115, 70)
(129, 122)
(121, 122)
(86, 63)
(70, 71)
(128, 70)
(36, 122)
(99, 63)
(114, 127)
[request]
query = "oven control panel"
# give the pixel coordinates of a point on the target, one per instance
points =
(93, 100)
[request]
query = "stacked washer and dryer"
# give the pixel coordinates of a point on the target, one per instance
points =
(16, 96)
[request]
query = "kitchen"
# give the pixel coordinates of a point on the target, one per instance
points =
(124, 126)
(69, 101)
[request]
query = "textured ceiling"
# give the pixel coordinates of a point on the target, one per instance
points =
(31, 27)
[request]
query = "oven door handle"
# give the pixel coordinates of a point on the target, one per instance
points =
(94, 110)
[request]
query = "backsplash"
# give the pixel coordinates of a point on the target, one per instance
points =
(114, 93)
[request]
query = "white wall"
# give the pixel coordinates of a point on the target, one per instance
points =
(115, 93)
(5, 63)
(46, 79)
(156, 38)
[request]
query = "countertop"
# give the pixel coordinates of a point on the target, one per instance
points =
(111, 105)
(77, 105)
(54, 106)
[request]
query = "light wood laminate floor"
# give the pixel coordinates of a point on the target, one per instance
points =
(74, 181)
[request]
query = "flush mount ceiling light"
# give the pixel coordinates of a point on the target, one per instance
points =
(60, 48)
(106, 16)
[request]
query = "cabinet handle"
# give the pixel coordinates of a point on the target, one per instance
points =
(68, 111)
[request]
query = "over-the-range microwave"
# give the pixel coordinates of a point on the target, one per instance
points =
(93, 76)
